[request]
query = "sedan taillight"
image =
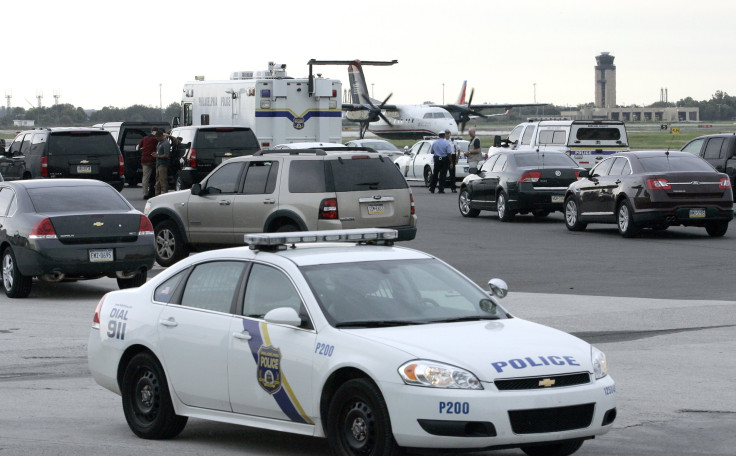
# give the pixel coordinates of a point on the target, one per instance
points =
(658, 184)
(328, 209)
(530, 176)
(725, 183)
(43, 230)
(145, 226)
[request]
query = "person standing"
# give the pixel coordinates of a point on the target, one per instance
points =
(441, 152)
(474, 151)
(163, 151)
(147, 145)
(453, 162)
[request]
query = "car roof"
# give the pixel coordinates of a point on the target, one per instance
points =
(655, 153)
(201, 127)
(46, 183)
(310, 145)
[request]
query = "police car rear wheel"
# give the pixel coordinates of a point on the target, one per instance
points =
(358, 422)
(565, 448)
(147, 402)
(427, 176)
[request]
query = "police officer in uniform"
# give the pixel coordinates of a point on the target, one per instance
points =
(441, 151)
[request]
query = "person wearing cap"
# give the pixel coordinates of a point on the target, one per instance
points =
(147, 146)
(162, 162)
(441, 151)
(453, 162)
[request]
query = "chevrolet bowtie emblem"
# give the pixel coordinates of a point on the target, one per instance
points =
(547, 382)
(84, 161)
(98, 224)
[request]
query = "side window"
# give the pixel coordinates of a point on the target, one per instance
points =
(488, 165)
(15, 146)
(188, 118)
(6, 198)
(212, 286)
(694, 146)
(26, 146)
(258, 177)
(307, 176)
(425, 148)
(415, 148)
(268, 289)
(37, 144)
(515, 133)
(627, 169)
(225, 179)
(165, 292)
(713, 148)
(500, 164)
(528, 134)
(618, 166)
(602, 168)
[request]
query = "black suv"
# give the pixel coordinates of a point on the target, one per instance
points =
(83, 153)
(128, 135)
(202, 148)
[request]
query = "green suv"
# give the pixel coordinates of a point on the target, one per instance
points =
(277, 190)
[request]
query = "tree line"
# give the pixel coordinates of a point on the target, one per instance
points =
(67, 115)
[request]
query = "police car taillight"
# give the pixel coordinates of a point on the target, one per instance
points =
(328, 209)
(43, 230)
(193, 158)
(145, 227)
(530, 176)
(96, 318)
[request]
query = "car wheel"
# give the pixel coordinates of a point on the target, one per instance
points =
(146, 400)
(427, 176)
(625, 220)
(572, 215)
(358, 422)
(504, 214)
(16, 284)
(463, 202)
(717, 228)
(133, 282)
(554, 449)
(170, 246)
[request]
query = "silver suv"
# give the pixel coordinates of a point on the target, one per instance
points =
(276, 190)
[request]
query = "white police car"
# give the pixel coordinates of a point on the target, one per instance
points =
(374, 346)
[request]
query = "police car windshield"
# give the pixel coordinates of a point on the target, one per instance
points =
(397, 292)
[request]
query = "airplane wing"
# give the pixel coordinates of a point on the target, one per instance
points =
(453, 108)
(365, 107)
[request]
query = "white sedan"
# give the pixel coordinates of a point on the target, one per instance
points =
(418, 162)
(373, 346)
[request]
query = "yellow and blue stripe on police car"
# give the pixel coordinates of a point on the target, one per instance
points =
(269, 374)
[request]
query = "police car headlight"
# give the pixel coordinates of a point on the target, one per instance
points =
(147, 208)
(600, 365)
(437, 375)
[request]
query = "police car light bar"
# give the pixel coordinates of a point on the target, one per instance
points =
(265, 240)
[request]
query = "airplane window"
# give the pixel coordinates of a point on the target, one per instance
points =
(428, 115)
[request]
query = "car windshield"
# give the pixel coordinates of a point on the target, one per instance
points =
(544, 160)
(379, 145)
(674, 163)
(397, 292)
(76, 199)
(226, 138)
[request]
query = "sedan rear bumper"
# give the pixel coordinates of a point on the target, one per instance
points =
(682, 216)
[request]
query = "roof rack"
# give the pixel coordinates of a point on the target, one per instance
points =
(291, 151)
(279, 241)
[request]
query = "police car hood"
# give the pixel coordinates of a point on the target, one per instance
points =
(491, 349)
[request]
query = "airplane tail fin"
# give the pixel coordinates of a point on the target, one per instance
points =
(358, 87)
(461, 97)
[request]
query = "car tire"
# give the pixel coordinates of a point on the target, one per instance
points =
(572, 215)
(358, 422)
(565, 448)
(502, 203)
(133, 282)
(717, 228)
(146, 400)
(427, 176)
(170, 246)
(16, 284)
(463, 203)
(625, 219)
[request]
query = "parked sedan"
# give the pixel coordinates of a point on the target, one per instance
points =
(379, 145)
(70, 229)
(652, 189)
(518, 183)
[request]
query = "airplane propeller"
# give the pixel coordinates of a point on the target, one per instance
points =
(467, 112)
(374, 113)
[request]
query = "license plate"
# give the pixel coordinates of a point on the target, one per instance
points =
(558, 199)
(697, 213)
(100, 255)
(375, 209)
(84, 169)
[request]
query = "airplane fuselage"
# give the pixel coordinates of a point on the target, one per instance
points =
(414, 122)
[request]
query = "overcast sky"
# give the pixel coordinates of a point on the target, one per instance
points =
(142, 52)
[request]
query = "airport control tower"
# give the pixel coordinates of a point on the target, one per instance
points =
(605, 81)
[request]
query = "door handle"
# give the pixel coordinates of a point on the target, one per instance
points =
(224, 202)
(170, 323)
(269, 201)
(618, 181)
(242, 335)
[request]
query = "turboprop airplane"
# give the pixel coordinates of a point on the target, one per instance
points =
(402, 121)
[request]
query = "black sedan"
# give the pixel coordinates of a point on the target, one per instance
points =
(652, 189)
(70, 229)
(518, 183)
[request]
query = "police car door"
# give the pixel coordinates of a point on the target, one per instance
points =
(270, 372)
(422, 158)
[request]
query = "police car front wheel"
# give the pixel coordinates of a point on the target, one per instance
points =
(358, 422)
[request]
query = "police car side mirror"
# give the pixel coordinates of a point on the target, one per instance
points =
(497, 141)
(498, 288)
(583, 173)
(406, 150)
(196, 189)
(283, 316)
(473, 170)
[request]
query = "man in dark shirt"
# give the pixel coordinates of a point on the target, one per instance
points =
(147, 146)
